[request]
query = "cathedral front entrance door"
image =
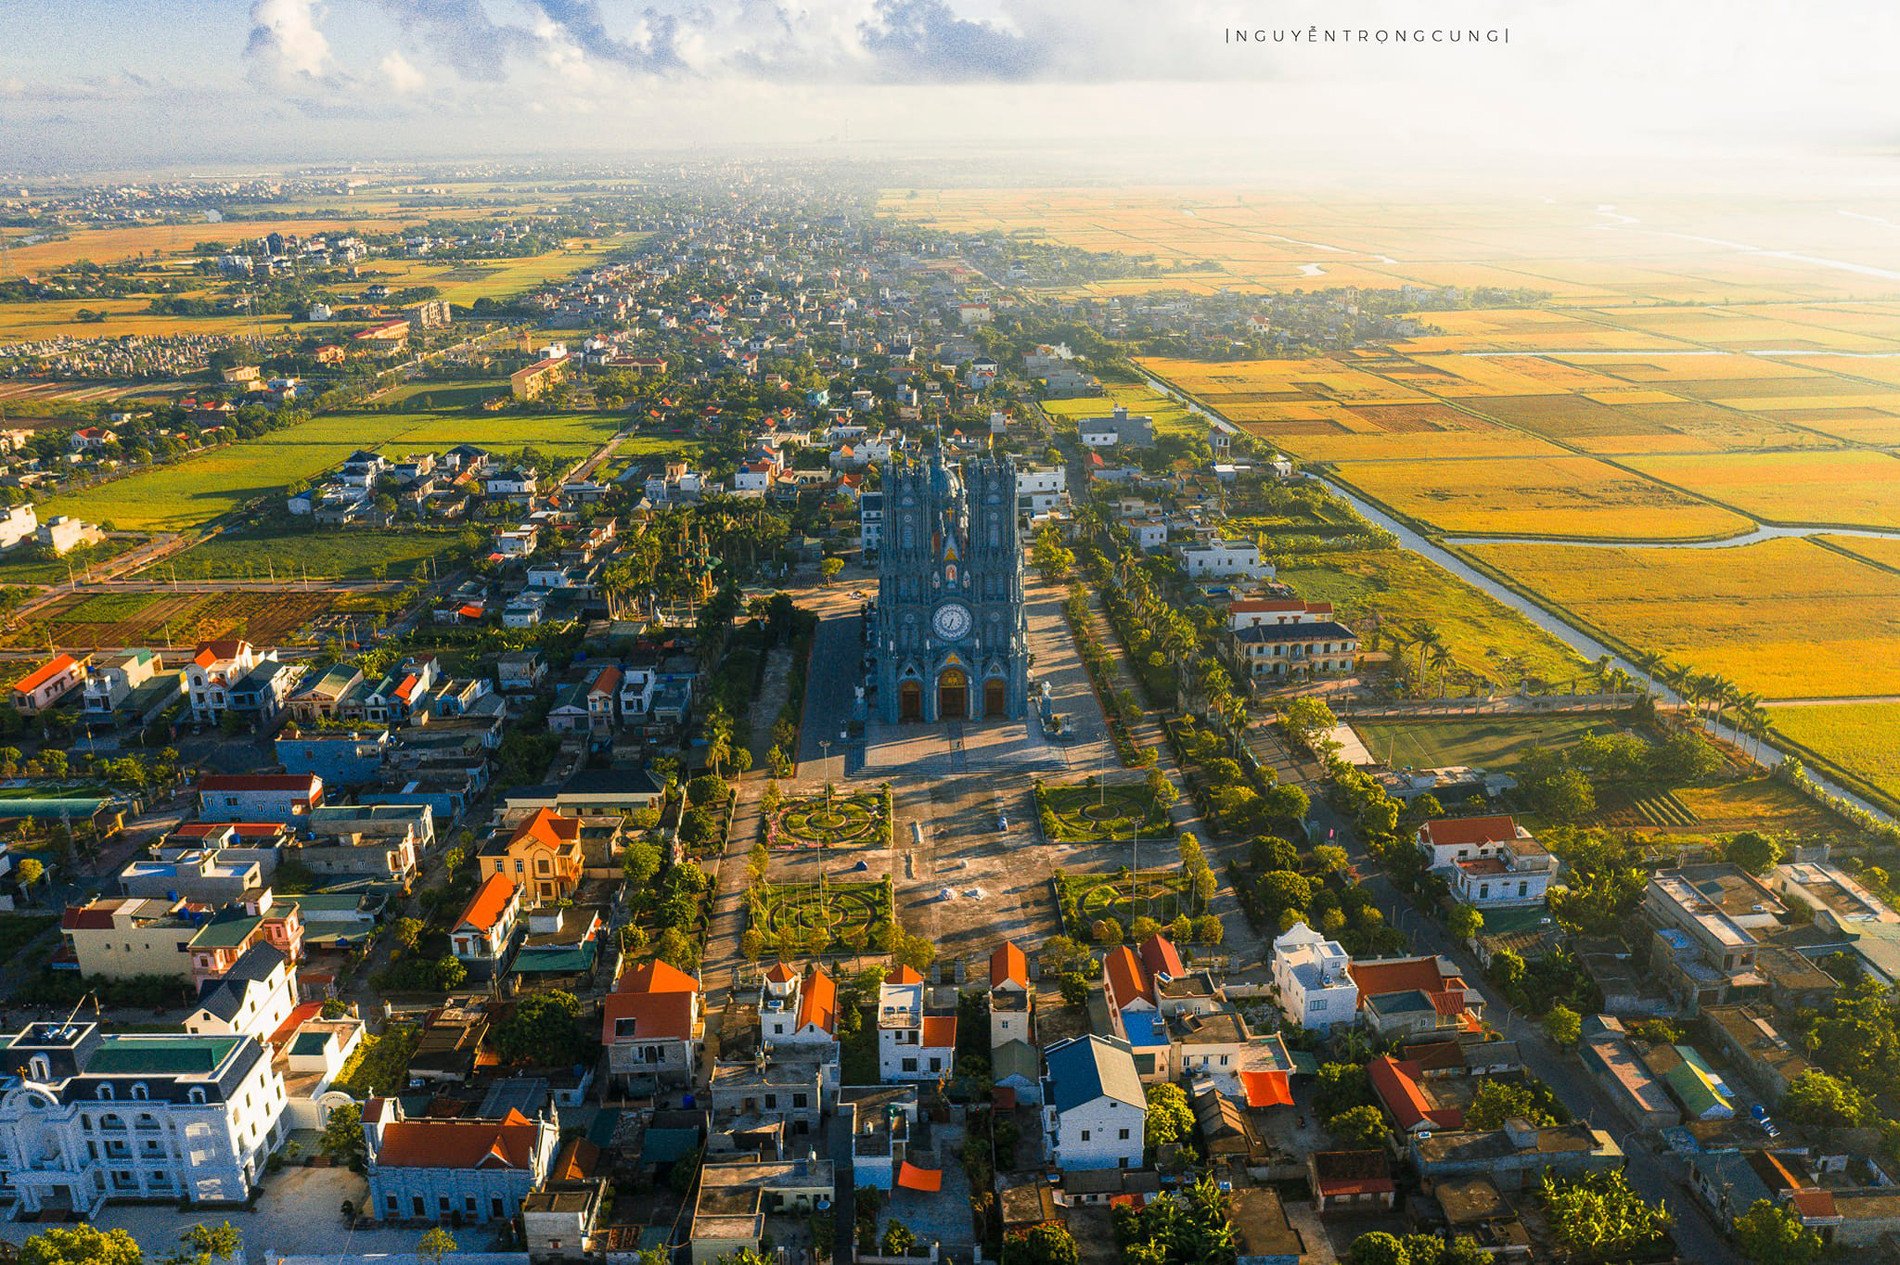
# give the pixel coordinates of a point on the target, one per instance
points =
(910, 701)
(953, 695)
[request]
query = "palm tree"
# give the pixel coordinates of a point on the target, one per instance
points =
(1441, 660)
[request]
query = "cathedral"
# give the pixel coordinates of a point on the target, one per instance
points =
(950, 638)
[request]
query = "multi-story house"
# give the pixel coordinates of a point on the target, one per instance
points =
(260, 695)
(1283, 639)
(253, 998)
(91, 1117)
(1705, 948)
(654, 1029)
(542, 855)
(218, 945)
(1094, 1108)
(913, 1044)
(349, 758)
(798, 1009)
(125, 938)
(1405, 996)
(382, 841)
(486, 930)
(279, 797)
(1010, 998)
(1312, 977)
(460, 1168)
(203, 875)
(603, 688)
(213, 670)
(1488, 862)
(111, 681)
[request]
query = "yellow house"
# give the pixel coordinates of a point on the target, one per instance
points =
(543, 857)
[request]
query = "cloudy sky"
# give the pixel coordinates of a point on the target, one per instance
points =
(86, 84)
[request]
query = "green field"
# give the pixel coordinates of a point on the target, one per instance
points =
(321, 554)
(16, 567)
(1101, 813)
(191, 493)
(1391, 587)
(1492, 743)
(460, 393)
(1138, 398)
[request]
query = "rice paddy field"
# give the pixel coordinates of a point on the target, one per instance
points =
(1170, 417)
(1686, 370)
(1784, 618)
(318, 554)
(192, 492)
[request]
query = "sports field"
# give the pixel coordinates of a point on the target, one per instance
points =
(1492, 743)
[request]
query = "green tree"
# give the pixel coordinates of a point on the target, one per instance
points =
(1464, 922)
(1754, 851)
(1377, 1247)
(1769, 1234)
(830, 569)
(1047, 1244)
(342, 1138)
(81, 1245)
(1816, 1098)
(409, 932)
(1170, 1118)
(1564, 1025)
(435, 1244)
(1498, 1100)
(1599, 1216)
(204, 1244)
(899, 1239)
(640, 863)
(544, 1028)
(1359, 1127)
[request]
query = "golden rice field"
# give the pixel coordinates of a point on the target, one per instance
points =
(1556, 496)
(1785, 618)
(113, 245)
(1860, 740)
(1850, 488)
(30, 322)
(1138, 398)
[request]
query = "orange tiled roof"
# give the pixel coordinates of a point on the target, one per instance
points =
(940, 1031)
(490, 899)
(44, 673)
(505, 1143)
(781, 973)
(904, 975)
(1454, 832)
(548, 827)
(818, 1001)
(1376, 979)
(1127, 979)
(657, 977)
(1009, 965)
(656, 1016)
(213, 651)
(1160, 957)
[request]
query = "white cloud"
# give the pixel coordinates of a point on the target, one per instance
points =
(401, 75)
(286, 40)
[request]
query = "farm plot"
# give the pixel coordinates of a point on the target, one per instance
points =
(1858, 740)
(1783, 618)
(1138, 398)
(1492, 743)
(1558, 496)
(1102, 813)
(150, 619)
(1848, 489)
(826, 821)
(352, 554)
(822, 918)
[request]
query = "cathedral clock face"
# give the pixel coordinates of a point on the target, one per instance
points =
(951, 621)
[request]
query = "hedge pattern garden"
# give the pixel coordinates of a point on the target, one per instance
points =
(824, 918)
(1100, 813)
(829, 820)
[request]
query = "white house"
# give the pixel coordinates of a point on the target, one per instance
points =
(111, 680)
(1489, 862)
(487, 926)
(1316, 989)
(1094, 1110)
(214, 669)
(92, 1117)
(798, 1010)
(18, 523)
(1010, 998)
(283, 797)
(253, 998)
(1222, 559)
(911, 1044)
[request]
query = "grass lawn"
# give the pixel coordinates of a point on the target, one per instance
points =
(1489, 641)
(456, 394)
(1097, 814)
(847, 821)
(17, 931)
(1492, 743)
(323, 553)
(16, 567)
(192, 492)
